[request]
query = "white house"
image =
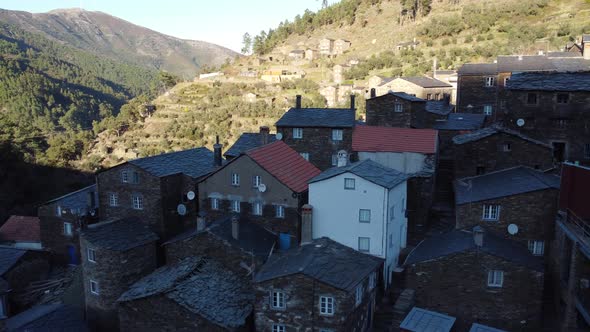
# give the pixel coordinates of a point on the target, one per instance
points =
(362, 205)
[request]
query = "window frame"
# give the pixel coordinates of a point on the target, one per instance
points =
(372, 280)
(364, 221)
(358, 295)
(488, 109)
(135, 177)
(278, 328)
(561, 94)
(71, 228)
(495, 278)
(124, 176)
(489, 215)
(280, 211)
(91, 255)
(362, 238)
(528, 98)
(297, 133)
(489, 81)
(235, 205)
(214, 203)
(337, 134)
(257, 208)
(534, 246)
(256, 181)
(347, 181)
(94, 289)
(280, 298)
(113, 199)
(137, 201)
(326, 306)
(398, 107)
(235, 179)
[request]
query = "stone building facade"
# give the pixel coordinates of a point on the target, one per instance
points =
(422, 87)
(394, 109)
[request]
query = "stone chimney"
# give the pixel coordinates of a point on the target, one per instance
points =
(201, 223)
(306, 229)
(478, 233)
(352, 97)
(373, 93)
(217, 152)
(342, 158)
(298, 101)
(264, 131)
(235, 227)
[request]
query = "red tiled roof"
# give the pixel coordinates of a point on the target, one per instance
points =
(387, 139)
(21, 229)
(285, 164)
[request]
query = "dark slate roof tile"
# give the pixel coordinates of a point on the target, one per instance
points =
(318, 117)
(406, 96)
(563, 54)
(475, 327)
(48, 318)
(368, 170)
(478, 69)
(77, 199)
(119, 235)
(246, 142)
(461, 121)
(507, 182)
(9, 257)
(516, 63)
(427, 82)
(324, 260)
(550, 81)
(441, 107)
(492, 130)
(194, 163)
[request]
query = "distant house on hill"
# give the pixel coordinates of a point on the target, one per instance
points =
(420, 86)
(341, 46)
(326, 46)
(408, 45)
(297, 54)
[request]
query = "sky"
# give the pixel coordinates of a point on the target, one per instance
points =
(222, 22)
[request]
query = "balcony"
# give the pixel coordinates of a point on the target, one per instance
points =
(580, 227)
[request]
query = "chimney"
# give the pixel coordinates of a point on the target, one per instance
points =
(478, 235)
(217, 152)
(373, 93)
(434, 65)
(264, 131)
(342, 158)
(306, 217)
(298, 101)
(352, 101)
(201, 223)
(235, 227)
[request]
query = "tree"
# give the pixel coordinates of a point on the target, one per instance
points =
(247, 41)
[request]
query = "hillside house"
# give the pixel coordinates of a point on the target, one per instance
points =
(321, 284)
(408, 45)
(495, 148)
(297, 54)
(311, 54)
(267, 185)
(248, 141)
(503, 286)
(517, 203)
(21, 232)
(60, 221)
(420, 86)
(326, 46)
(394, 109)
(318, 134)
(362, 206)
(339, 71)
(196, 294)
(341, 46)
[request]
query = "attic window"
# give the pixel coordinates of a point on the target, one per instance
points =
(326, 305)
(135, 177)
(278, 300)
(278, 328)
(349, 184)
(124, 177)
(336, 134)
(398, 107)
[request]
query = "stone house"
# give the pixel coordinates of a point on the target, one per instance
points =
(311, 54)
(341, 46)
(330, 92)
(326, 46)
(22, 232)
(318, 134)
(160, 190)
(376, 80)
(248, 141)
(517, 203)
(569, 261)
(60, 220)
(420, 86)
(455, 124)
(552, 107)
(476, 276)
(116, 254)
(395, 109)
(194, 294)
(450, 77)
(267, 185)
(297, 54)
(408, 45)
(236, 242)
(495, 148)
(338, 71)
(411, 151)
(362, 206)
(321, 285)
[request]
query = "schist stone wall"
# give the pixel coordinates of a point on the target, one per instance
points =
(464, 294)
(420, 198)
(472, 91)
(381, 111)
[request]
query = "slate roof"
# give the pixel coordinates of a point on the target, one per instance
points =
(550, 81)
(563, 54)
(201, 286)
(426, 82)
(77, 199)
(119, 235)
(324, 260)
(406, 96)
(193, 162)
(246, 142)
(457, 241)
(9, 257)
(390, 139)
(478, 68)
(492, 130)
(507, 182)
(318, 117)
(55, 317)
(461, 121)
(475, 327)
(368, 170)
(515, 63)
(441, 107)
(527, 63)
(21, 229)
(285, 164)
(422, 320)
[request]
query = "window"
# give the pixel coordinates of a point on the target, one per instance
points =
(336, 134)
(67, 229)
(489, 81)
(256, 181)
(94, 287)
(349, 183)
(91, 255)
(135, 177)
(298, 133)
(235, 179)
(364, 244)
(326, 305)
(560, 123)
(124, 177)
(437, 96)
(587, 151)
(235, 206)
(137, 202)
(358, 295)
(113, 199)
(365, 215)
(398, 107)
(563, 98)
(429, 96)
(279, 211)
(278, 300)
(537, 248)
(372, 280)
(278, 328)
(506, 147)
(506, 79)
(305, 155)
(214, 203)
(334, 160)
(491, 212)
(495, 278)
(58, 211)
(487, 109)
(531, 98)
(257, 208)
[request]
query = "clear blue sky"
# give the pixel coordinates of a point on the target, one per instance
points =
(222, 22)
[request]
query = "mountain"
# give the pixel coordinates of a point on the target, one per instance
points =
(109, 36)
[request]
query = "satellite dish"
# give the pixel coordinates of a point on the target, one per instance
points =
(262, 187)
(512, 229)
(181, 209)
(190, 195)
(279, 136)
(520, 122)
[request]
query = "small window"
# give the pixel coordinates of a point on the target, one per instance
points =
(587, 151)
(137, 202)
(398, 107)
(235, 206)
(68, 229)
(235, 179)
(488, 109)
(298, 133)
(531, 98)
(58, 211)
(429, 96)
(560, 123)
(336, 134)
(124, 176)
(358, 295)
(489, 81)
(214, 203)
(437, 96)
(563, 98)
(135, 177)
(113, 199)
(257, 208)
(279, 211)
(506, 79)
(506, 147)
(94, 287)
(256, 181)
(91, 255)
(491, 212)
(364, 244)
(349, 183)
(278, 328)
(537, 248)
(305, 155)
(326, 305)
(334, 160)
(365, 215)
(278, 300)
(495, 278)
(372, 280)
